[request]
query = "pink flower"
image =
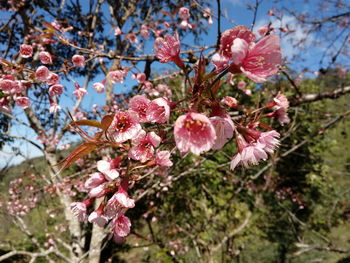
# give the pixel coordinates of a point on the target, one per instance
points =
(263, 59)
(94, 180)
(132, 38)
(26, 51)
(54, 107)
(224, 129)
(55, 90)
(168, 49)
(144, 31)
(23, 102)
(53, 79)
(117, 76)
(248, 154)
(42, 73)
(158, 111)
(194, 133)
(268, 141)
(144, 143)
(241, 85)
(163, 158)
(7, 85)
(98, 218)
(140, 77)
(281, 115)
(239, 50)
(78, 61)
(108, 168)
(125, 126)
(230, 35)
(263, 30)
(207, 13)
(99, 87)
(121, 228)
(79, 210)
(184, 13)
(230, 102)
(124, 200)
(98, 191)
(79, 93)
(281, 101)
(139, 104)
(117, 31)
(185, 25)
(45, 57)
(220, 61)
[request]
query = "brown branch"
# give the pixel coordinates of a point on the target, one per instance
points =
(311, 97)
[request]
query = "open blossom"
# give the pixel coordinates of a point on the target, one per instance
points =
(125, 126)
(117, 76)
(144, 143)
(26, 51)
(163, 158)
(42, 73)
(78, 61)
(184, 13)
(248, 154)
(257, 61)
(230, 102)
(224, 129)
(108, 168)
(98, 218)
(55, 90)
(158, 111)
(263, 59)
(268, 141)
(124, 200)
(23, 102)
(54, 107)
(6, 85)
(144, 31)
(53, 79)
(121, 228)
(140, 77)
(220, 61)
(132, 38)
(79, 93)
(207, 13)
(139, 105)
(94, 180)
(194, 133)
(99, 87)
(79, 210)
(168, 49)
(254, 146)
(117, 31)
(281, 101)
(45, 57)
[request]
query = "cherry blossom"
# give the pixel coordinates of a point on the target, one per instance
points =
(194, 133)
(163, 158)
(144, 143)
(125, 126)
(168, 49)
(99, 87)
(23, 102)
(26, 51)
(42, 73)
(139, 104)
(158, 111)
(224, 129)
(78, 61)
(45, 57)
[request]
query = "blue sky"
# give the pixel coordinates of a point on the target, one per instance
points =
(235, 10)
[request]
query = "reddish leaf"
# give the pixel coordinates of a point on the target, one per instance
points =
(166, 13)
(265, 126)
(106, 121)
(78, 153)
(91, 123)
